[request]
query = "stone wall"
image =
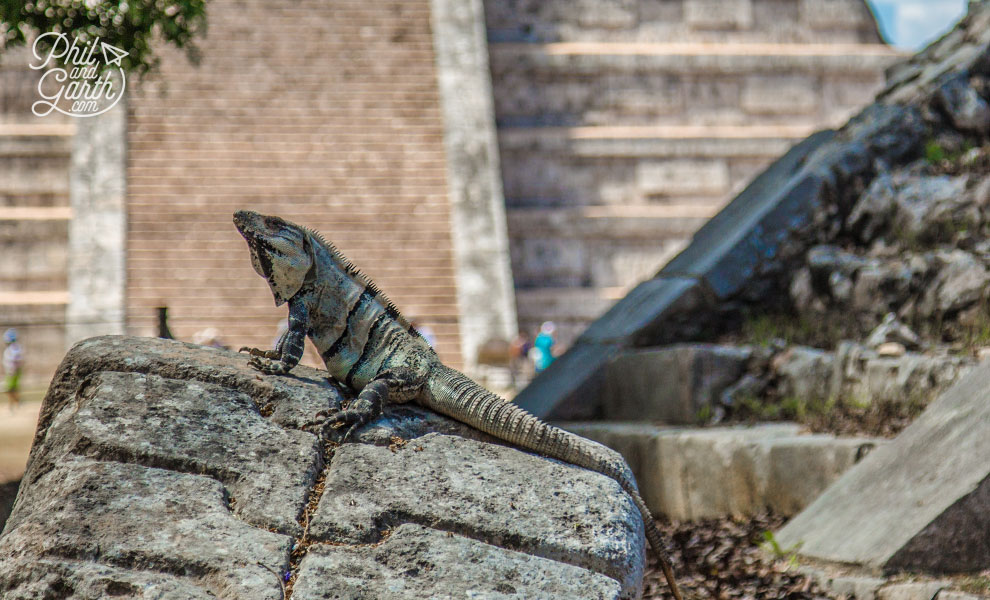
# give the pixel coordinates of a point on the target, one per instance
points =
(624, 126)
(328, 115)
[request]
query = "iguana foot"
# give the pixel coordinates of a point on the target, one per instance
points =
(268, 367)
(356, 415)
(259, 352)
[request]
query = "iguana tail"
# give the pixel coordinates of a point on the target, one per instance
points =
(453, 394)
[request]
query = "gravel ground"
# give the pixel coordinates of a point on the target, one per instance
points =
(721, 559)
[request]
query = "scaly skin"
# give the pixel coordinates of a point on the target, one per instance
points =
(366, 344)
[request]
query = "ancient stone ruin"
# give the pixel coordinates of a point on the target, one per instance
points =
(162, 469)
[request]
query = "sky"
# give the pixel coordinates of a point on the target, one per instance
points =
(913, 24)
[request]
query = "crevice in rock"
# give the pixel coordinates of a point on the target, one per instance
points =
(302, 543)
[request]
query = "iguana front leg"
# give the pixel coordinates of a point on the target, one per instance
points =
(289, 349)
(394, 385)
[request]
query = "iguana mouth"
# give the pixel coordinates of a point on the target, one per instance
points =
(246, 222)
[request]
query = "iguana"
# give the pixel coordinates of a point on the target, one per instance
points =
(366, 344)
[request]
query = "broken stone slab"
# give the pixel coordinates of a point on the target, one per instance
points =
(689, 473)
(139, 519)
(957, 595)
(673, 384)
(415, 561)
(484, 492)
(919, 502)
(143, 477)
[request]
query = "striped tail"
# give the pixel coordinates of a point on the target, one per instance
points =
(453, 394)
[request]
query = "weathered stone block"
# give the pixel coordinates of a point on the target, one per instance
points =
(730, 248)
(802, 467)
(160, 470)
(919, 502)
(728, 471)
(672, 384)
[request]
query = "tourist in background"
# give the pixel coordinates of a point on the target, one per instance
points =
(542, 352)
(13, 363)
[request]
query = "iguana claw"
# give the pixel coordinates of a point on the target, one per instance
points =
(354, 418)
(259, 352)
(268, 367)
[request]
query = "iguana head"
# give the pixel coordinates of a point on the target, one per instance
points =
(280, 251)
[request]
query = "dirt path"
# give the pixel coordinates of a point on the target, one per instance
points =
(16, 433)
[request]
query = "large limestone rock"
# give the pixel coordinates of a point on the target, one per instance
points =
(920, 502)
(166, 470)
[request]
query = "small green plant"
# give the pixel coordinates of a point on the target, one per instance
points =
(934, 152)
(759, 408)
(793, 407)
(976, 584)
(705, 414)
(772, 546)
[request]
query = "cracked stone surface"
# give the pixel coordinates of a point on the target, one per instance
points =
(163, 470)
(415, 561)
(486, 492)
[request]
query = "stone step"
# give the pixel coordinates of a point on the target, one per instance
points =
(696, 21)
(720, 84)
(692, 58)
(569, 181)
(34, 159)
(543, 168)
(553, 303)
(22, 200)
(658, 141)
(619, 222)
(739, 471)
(47, 142)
